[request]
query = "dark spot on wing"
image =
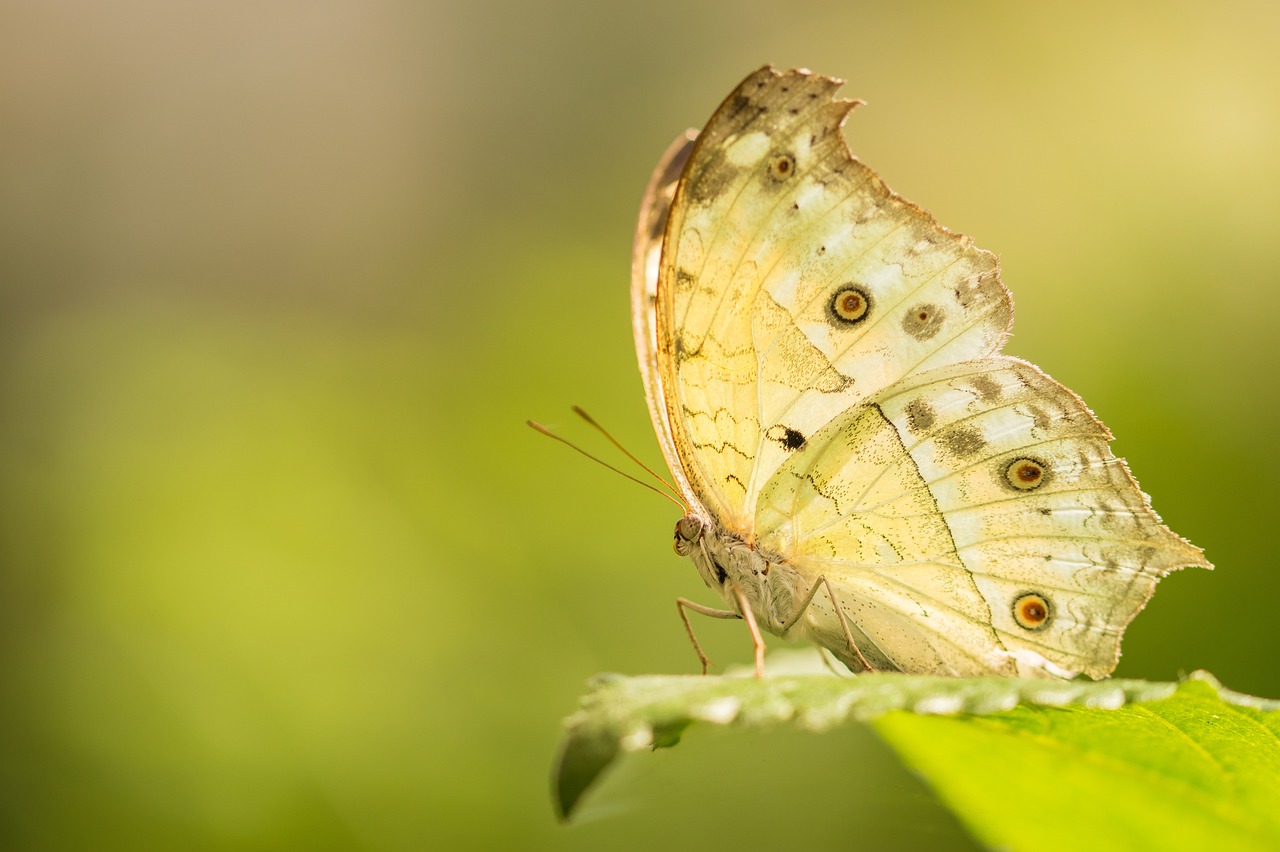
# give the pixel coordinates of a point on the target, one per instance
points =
(923, 321)
(736, 105)
(710, 181)
(920, 416)
(789, 438)
(1025, 376)
(962, 441)
(987, 388)
(1039, 417)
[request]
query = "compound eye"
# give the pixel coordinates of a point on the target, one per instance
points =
(688, 531)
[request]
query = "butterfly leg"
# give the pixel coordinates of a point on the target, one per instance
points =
(756, 638)
(684, 603)
(822, 582)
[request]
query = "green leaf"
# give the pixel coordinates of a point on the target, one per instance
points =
(1024, 764)
(1192, 771)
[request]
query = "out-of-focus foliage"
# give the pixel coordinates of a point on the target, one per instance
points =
(280, 565)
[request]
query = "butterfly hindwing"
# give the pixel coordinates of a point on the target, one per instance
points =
(983, 486)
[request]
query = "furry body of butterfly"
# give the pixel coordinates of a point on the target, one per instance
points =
(822, 365)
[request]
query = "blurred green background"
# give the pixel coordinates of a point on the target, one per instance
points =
(280, 282)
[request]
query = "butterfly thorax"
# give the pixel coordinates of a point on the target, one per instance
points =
(726, 561)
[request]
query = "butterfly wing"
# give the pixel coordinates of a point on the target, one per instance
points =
(655, 209)
(771, 222)
(1001, 536)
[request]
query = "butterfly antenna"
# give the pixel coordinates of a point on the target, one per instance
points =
(612, 440)
(538, 427)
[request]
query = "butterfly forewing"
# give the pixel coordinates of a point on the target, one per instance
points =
(794, 284)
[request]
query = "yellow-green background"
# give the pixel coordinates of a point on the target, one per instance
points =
(281, 566)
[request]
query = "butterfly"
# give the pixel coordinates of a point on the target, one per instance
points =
(859, 464)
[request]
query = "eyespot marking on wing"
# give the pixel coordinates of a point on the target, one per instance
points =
(849, 306)
(1025, 474)
(923, 321)
(1032, 611)
(782, 166)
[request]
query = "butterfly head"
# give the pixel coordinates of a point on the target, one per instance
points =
(688, 534)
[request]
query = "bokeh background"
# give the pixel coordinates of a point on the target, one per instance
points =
(280, 564)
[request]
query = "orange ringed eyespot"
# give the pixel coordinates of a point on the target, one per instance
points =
(1025, 474)
(1032, 611)
(849, 305)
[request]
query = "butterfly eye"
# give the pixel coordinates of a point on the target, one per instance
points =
(850, 305)
(688, 531)
(1025, 474)
(1032, 611)
(782, 166)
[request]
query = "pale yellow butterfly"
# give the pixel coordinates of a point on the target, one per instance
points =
(860, 464)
